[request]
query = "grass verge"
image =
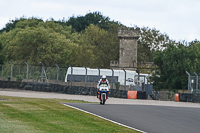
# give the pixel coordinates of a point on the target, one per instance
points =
(31, 115)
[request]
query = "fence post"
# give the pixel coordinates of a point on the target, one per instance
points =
(196, 83)
(71, 75)
(57, 73)
(42, 72)
(124, 79)
(85, 76)
(138, 71)
(11, 70)
(99, 72)
(2, 70)
(188, 81)
(27, 71)
(112, 76)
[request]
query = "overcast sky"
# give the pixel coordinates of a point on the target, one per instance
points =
(179, 19)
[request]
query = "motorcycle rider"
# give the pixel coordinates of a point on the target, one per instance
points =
(103, 80)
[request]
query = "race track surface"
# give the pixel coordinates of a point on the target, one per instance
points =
(151, 119)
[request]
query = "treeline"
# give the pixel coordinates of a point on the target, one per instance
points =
(92, 41)
(53, 42)
(89, 40)
(172, 64)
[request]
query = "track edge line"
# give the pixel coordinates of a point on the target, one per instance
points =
(104, 118)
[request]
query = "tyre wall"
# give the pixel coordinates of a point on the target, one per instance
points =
(186, 97)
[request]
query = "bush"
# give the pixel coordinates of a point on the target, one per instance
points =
(19, 77)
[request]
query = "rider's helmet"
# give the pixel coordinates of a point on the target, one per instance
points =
(103, 78)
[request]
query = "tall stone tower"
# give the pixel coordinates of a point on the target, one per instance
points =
(128, 49)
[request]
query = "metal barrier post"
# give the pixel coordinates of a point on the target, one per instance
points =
(112, 76)
(99, 72)
(196, 83)
(2, 71)
(124, 79)
(27, 71)
(85, 76)
(188, 81)
(71, 75)
(11, 70)
(57, 73)
(42, 72)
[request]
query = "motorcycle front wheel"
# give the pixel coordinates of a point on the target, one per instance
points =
(104, 99)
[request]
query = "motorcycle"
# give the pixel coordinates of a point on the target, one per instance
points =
(103, 93)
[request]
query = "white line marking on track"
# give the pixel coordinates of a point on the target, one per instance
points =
(104, 118)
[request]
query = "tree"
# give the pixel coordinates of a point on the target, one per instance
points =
(80, 23)
(150, 40)
(194, 42)
(103, 44)
(172, 64)
(1, 55)
(12, 23)
(48, 43)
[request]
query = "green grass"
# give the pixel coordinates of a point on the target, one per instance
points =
(29, 115)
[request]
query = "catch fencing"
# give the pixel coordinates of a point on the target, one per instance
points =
(26, 73)
(193, 83)
(57, 75)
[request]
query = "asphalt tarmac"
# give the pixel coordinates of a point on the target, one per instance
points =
(148, 118)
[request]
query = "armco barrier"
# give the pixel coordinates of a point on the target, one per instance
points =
(78, 90)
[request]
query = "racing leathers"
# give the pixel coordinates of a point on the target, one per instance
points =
(102, 82)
